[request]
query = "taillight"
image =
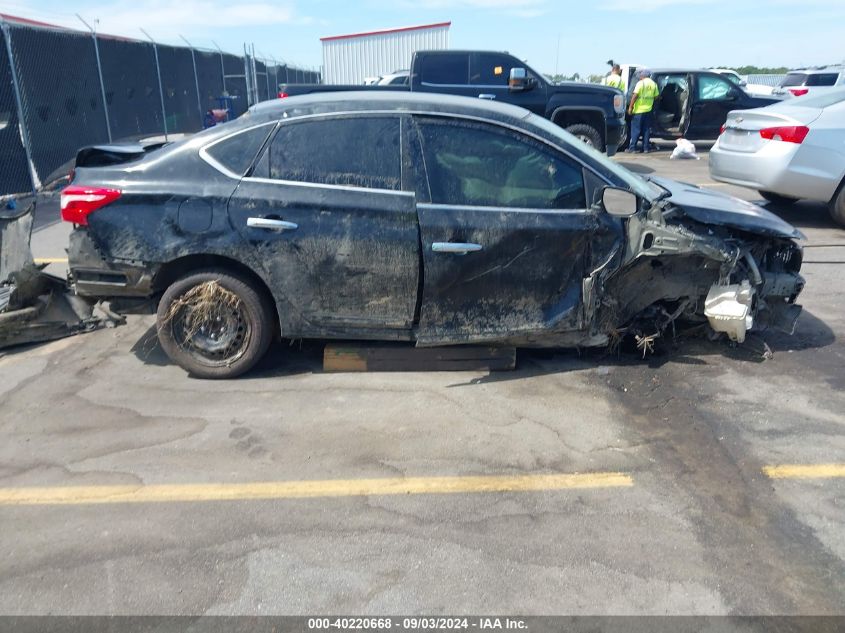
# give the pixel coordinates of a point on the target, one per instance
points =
(787, 134)
(80, 202)
(722, 129)
(799, 91)
(283, 95)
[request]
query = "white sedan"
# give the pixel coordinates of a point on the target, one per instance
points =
(787, 151)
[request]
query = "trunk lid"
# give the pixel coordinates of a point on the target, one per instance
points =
(742, 127)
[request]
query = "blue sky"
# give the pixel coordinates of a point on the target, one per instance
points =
(651, 32)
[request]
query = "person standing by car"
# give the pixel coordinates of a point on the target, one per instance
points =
(641, 110)
(614, 79)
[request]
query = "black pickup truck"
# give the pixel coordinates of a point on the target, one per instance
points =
(593, 113)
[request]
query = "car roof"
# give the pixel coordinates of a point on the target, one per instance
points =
(389, 100)
(680, 70)
(452, 51)
(817, 70)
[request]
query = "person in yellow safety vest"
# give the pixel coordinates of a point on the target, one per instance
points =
(614, 79)
(641, 110)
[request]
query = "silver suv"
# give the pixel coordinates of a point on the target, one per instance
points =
(803, 81)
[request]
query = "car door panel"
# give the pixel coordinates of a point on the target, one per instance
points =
(340, 259)
(714, 97)
(525, 271)
(671, 109)
(348, 260)
(526, 276)
(489, 78)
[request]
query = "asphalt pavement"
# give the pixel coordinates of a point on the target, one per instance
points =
(704, 480)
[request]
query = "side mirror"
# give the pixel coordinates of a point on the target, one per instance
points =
(619, 202)
(518, 79)
(743, 83)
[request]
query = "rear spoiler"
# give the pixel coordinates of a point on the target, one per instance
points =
(104, 155)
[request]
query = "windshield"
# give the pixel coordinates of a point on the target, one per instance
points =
(634, 182)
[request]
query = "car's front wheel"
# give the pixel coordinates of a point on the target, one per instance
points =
(588, 134)
(776, 198)
(215, 323)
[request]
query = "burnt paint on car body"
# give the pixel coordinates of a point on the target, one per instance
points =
(360, 263)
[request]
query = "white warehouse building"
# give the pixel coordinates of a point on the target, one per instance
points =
(349, 59)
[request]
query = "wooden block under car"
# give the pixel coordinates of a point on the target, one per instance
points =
(340, 357)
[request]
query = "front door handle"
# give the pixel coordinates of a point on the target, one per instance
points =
(458, 248)
(486, 95)
(269, 223)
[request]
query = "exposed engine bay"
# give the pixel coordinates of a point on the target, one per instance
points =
(678, 269)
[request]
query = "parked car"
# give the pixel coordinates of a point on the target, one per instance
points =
(694, 104)
(396, 78)
(788, 151)
(434, 219)
(595, 114)
(759, 90)
(808, 81)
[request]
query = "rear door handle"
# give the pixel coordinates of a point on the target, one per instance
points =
(458, 248)
(486, 96)
(269, 223)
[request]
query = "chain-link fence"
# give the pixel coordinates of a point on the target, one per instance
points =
(766, 80)
(61, 90)
(14, 173)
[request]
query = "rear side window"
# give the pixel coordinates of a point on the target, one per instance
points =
(482, 165)
(358, 151)
(237, 152)
(450, 69)
(822, 79)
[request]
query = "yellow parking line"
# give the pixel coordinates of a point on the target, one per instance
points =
(51, 260)
(804, 471)
(79, 495)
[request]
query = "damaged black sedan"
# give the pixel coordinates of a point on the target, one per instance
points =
(427, 218)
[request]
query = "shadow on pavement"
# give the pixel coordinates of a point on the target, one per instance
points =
(284, 358)
(290, 358)
(147, 349)
(811, 333)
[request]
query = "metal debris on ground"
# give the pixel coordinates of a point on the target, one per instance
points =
(36, 306)
(646, 343)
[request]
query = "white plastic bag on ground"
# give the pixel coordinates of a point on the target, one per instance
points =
(684, 149)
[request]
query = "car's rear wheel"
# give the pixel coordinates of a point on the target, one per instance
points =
(837, 206)
(588, 134)
(776, 198)
(215, 323)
